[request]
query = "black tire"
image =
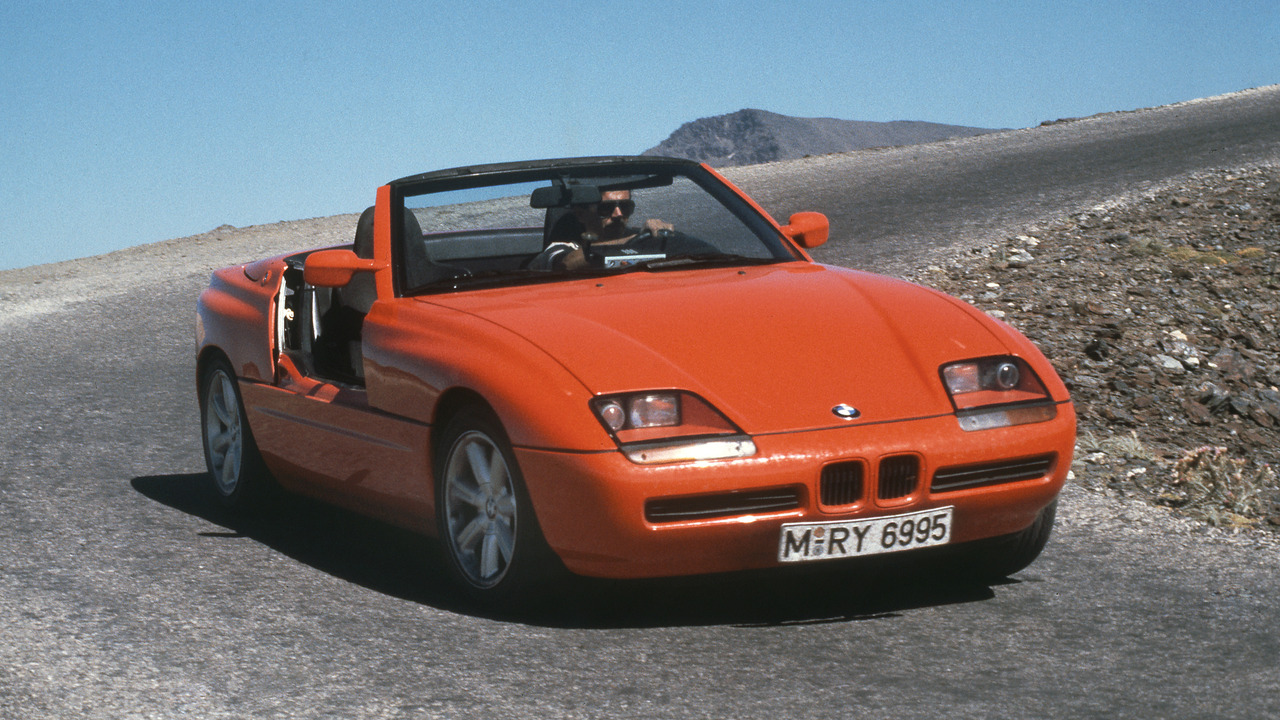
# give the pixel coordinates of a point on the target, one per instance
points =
(239, 476)
(998, 558)
(491, 539)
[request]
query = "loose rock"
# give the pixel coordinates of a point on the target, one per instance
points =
(1161, 317)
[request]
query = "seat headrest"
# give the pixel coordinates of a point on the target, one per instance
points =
(363, 245)
(565, 228)
(412, 230)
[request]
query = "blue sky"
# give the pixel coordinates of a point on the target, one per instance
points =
(131, 122)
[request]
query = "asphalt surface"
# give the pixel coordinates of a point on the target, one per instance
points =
(125, 591)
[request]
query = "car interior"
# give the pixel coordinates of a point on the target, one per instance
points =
(320, 328)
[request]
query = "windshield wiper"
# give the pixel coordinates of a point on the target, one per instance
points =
(498, 278)
(684, 261)
(495, 278)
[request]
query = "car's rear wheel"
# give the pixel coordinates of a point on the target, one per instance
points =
(235, 465)
(494, 546)
(998, 558)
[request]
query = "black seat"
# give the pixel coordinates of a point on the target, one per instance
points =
(417, 263)
(360, 293)
(337, 350)
(420, 268)
(561, 225)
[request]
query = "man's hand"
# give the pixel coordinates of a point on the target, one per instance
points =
(653, 226)
(559, 255)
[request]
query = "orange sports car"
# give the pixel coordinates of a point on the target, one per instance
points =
(624, 367)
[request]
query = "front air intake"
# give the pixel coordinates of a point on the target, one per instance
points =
(841, 483)
(898, 477)
(961, 477)
(707, 507)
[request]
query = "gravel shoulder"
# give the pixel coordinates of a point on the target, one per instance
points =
(32, 291)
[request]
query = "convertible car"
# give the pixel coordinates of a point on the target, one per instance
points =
(623, 368)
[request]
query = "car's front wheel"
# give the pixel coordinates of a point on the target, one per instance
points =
(238, 472)
(485, 518)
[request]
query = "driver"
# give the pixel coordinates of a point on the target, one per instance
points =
(607, 219)
(598, 224)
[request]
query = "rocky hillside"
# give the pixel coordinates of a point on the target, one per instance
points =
(1161, 316)
(748, 137)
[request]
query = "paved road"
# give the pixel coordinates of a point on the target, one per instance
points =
(125, 592)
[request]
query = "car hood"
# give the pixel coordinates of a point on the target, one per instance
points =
(773, 347)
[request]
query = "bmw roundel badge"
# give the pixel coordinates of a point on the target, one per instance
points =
(848, 412)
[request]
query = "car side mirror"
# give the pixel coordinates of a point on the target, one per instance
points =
(334, 268)
(808, 229)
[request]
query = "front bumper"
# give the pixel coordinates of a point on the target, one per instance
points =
(592, 506)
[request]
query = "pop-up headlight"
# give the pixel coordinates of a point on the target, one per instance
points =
(670, 426)
(997, 392)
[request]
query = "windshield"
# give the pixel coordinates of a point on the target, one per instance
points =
(565, 226)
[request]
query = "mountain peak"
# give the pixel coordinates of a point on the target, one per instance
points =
(750, 136)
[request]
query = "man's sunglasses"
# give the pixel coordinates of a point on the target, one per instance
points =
(606, 208)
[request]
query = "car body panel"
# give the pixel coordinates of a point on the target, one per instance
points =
(415, 351)
(838, 327)
(775, 348)
(320, 443)
(235, 314)
(593, 514)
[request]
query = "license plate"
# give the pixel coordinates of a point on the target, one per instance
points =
(822, 541)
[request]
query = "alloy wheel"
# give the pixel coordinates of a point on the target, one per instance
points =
(480, 509)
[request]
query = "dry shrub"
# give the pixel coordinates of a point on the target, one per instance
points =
(1209, 484)
(1187, 254)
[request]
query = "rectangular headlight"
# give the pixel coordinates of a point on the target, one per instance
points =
(996, 392)
(663, 426)
(660, 410)
(991, 381)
